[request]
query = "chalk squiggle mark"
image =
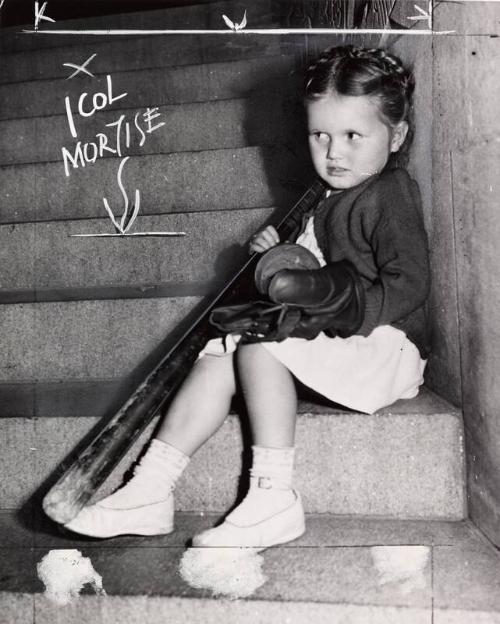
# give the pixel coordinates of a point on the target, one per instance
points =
(234, 25)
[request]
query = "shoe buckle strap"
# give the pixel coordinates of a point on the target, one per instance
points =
(267, 483)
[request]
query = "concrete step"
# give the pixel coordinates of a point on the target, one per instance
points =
(41, 262)
(179, 182)
(404, 462)
(115, 54)
(345, 570)
(187, 127)
(151, 87)
(204, 15)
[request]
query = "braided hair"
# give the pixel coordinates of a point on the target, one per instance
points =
(348, 70)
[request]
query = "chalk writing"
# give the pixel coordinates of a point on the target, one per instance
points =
(89, 152)
(113, 142)
(80, 68)
(99, 102)
(142, 124)
(39, 15)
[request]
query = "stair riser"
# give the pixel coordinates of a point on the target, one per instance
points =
(151, 87)
(219, 179)
(43, 256)
(140, 53)
(187, 127)
(346, 463)
(85, 339)
(201, 16)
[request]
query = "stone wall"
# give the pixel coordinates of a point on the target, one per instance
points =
(466, 238)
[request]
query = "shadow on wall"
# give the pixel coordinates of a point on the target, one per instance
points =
(275, 120)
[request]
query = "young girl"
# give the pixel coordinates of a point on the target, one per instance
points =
(358, 108)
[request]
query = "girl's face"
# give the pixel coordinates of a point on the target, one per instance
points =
(348, 140)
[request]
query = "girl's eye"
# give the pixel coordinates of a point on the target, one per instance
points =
(321, 137)
(353, 136)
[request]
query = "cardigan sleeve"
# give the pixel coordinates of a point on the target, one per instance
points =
(394, 227)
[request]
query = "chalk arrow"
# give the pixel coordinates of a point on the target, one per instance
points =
(125, 222)
(424, 15)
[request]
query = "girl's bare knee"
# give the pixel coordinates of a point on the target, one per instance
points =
(217, 370)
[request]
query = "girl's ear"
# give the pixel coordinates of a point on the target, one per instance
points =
(399, 133)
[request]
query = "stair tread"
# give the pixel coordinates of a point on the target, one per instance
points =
(40, 258)
(112, 55)
(337, 565)
(190, 127)
(91, 398)
(176, 182)
(174, 84)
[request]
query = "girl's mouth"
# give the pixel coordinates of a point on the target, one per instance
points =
(336, 170)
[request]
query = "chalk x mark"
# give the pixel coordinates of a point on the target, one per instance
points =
(80, 68)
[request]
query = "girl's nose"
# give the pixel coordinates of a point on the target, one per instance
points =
(333, 152)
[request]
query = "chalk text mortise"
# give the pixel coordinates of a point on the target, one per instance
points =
(105, 143)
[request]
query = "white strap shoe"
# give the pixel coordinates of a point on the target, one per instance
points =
(283, 526)
(99, 520)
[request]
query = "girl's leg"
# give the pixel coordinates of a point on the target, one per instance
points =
(272, 511)
(144, 505)
(201, 405)
(270, 396)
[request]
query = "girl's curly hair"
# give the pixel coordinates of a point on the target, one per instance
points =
(348, 70)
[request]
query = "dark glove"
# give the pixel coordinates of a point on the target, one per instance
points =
(258, 321)
(306, 299)
(331, 299)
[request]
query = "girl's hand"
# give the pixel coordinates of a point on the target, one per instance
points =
(264, 240)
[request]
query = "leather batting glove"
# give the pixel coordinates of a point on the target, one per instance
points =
(304, 288)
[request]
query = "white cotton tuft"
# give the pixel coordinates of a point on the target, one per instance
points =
(232, 572)
(65, 572)
(404, 565)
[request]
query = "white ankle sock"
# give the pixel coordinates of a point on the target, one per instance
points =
(270, 485)
(154, 477)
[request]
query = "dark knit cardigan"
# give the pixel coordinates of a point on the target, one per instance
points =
(378, 226)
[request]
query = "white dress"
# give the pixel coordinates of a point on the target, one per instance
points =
(361, 373)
